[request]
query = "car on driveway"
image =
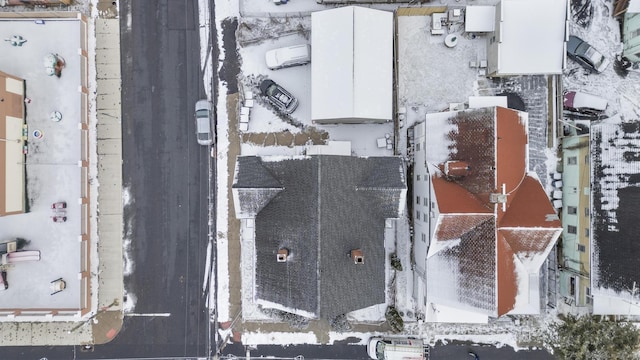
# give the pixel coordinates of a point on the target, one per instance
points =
(288, 56)
(586, 55)
(584, 103)
(280, 98)
(204, 133)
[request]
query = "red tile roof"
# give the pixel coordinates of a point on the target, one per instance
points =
(494, 143)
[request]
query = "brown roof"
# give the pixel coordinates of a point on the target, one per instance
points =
(453, 198)
(494, 142)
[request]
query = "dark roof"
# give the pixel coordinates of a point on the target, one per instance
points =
(329, 205)
(255, 185)
(615, 192)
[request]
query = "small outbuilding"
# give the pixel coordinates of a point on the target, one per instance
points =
(519, 46)
(351, 66)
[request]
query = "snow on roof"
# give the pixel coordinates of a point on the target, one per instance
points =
(480, 18)
(53, 173)
(523, 46)
(487, 101)
(446, 314)
(615, 170)
(634, 6)
(351, 67)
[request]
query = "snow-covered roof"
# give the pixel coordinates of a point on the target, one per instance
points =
(352, 64)
(53, 171)
(634, 6)
(474, 235)
(480, 18)
(520, 46)
(615, 204)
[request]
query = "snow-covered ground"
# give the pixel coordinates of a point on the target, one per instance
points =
(52, 167)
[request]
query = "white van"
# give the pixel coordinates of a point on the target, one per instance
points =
(397, 349)
(288, 56)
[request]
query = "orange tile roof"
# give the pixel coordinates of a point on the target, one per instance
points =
(494, 142)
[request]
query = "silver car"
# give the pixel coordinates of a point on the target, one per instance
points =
(203, 122)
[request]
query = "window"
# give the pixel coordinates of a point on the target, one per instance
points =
(570, 229)
(586, 232)
(586, 159)
(581, 248)
(572, 160)
(417, 214)
(425, 202)
(635, 33)
(418, 177)
(586, 211)
(418, 147)
(572, 210)
(424, 238)
(418, 200)
(572, 286)
(588, 295)
(424, 217)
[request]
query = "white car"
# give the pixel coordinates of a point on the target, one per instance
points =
(288, 56)
(583, 102)
(203, 122)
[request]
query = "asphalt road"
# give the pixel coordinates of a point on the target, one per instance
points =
(167, 174)
(450, 351)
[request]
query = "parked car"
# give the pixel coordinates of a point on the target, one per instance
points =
(584, 103)
(280, 98)
(288, 56)
(203, 122)
(586, 55)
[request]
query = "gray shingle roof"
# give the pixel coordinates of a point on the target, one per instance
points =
(329, 206)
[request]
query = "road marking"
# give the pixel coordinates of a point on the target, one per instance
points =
(151, 315)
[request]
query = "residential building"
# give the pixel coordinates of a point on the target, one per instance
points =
(615, 217)
(317, 224)
(519, 46)
(574, 262)
(631, 30)
(352, 65)
(483, 224)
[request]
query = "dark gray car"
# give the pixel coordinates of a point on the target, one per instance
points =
(586, 55)
(280, 98)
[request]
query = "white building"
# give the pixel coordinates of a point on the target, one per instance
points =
(529, 38)
(351, 66)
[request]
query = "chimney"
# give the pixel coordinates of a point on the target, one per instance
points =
(357, 256)
(282, 255)
(456, 169)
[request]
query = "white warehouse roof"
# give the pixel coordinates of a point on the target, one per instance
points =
(352, 65)
(520, 46)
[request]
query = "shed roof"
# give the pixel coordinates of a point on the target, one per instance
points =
(531, 47)
(352, 64)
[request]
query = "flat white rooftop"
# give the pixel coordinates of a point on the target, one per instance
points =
(52, 170)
